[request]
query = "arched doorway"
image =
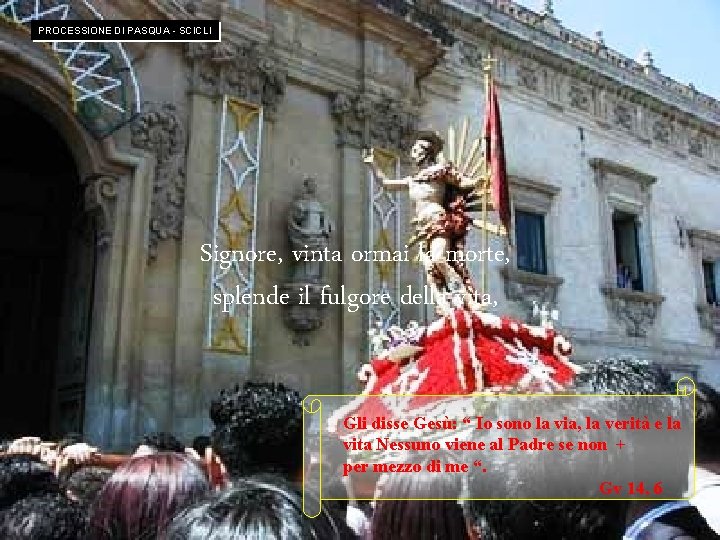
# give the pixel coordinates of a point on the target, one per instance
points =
(79, 367)
(46, 278)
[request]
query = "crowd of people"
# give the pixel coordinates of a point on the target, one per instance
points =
(243, 481)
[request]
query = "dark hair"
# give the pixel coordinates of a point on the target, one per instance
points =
(141, 497)
(43, 517)
(85, 483)
(259, 507)
(707, 422)
(22, 475)
(200, 443)
(566, 520)
(163, 442)
(419, 519)
(622, 375)
(435, 140)
(561, 520)
(258, 428)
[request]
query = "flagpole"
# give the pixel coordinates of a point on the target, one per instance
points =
(487, 74)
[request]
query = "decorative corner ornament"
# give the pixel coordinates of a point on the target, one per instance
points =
(710, 320)
(99, 196)
(529, 289)
(160, 131)
(366, 121)
(247, 70)
(634, 311)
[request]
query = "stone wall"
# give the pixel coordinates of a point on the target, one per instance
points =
(586, 130)
(355, 71)
(558, 121)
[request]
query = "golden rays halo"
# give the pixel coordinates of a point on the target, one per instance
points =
(464, 149)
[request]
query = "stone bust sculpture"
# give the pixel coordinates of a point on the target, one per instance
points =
(309, 231)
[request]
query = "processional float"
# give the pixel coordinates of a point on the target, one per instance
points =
(466, 349)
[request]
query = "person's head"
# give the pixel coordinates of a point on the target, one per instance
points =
(505, 520)
(22, 475)
(84, 484)
(254, 508)
(628, 375)
(622, 375)
(43, 517)
(258, 429)
(200, 443)
(419, 519)
(159, 442)
(707, 424)
(426, 148)
(142, 496)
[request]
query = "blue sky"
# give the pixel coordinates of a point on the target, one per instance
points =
(682, 35)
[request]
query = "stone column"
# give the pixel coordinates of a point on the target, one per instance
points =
(160, 130)
(104, 390)
(246, 70)
(188, 400)
(353, 235)
(113, 378)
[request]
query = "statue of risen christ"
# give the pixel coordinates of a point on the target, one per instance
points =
(439, 193)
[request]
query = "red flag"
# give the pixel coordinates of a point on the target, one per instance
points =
(495, 158)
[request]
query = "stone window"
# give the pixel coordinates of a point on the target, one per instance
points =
(626, 241)
(530, 242)
(706, 246)
(627, 251)
(711, 279)
(529, 278)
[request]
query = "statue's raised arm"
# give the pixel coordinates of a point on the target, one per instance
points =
(388, 183)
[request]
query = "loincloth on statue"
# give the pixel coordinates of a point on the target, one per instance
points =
(453, 225)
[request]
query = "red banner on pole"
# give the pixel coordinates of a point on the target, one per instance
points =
(495, 157)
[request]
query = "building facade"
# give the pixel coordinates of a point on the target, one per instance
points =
(127, 159)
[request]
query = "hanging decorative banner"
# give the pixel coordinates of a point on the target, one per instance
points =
(229, 325)
(384, 235)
